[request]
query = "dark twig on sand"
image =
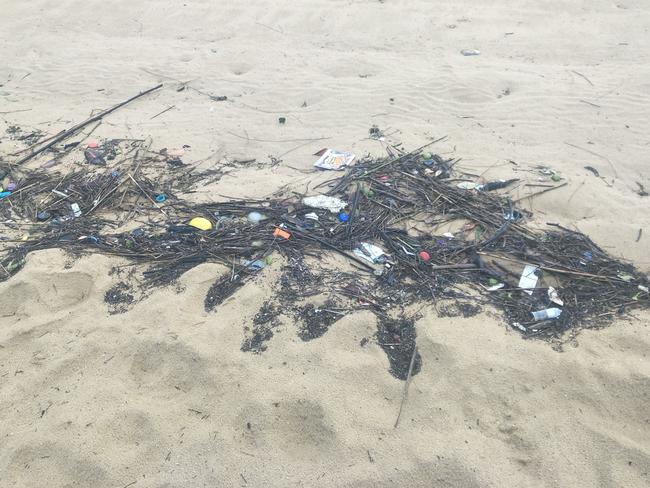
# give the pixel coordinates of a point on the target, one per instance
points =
(76, 128)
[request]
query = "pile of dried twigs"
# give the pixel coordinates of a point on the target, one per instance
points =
(395, 203)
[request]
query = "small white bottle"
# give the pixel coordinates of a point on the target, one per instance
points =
(549, 313)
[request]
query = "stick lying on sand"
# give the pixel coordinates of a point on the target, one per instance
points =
(72, 130)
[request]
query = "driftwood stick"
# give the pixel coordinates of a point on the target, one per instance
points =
(72, 130)
(407, 383)
(399, 158)
(155, 204)
(539, 192)
(453, 266)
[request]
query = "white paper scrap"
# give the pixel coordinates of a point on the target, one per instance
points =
(528, 279)
(554, 296)
(369, 252)
(334, 160)
(333, 204)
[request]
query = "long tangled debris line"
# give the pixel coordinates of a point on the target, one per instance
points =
(382, 215)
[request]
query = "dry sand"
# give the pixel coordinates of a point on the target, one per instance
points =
(162, 396)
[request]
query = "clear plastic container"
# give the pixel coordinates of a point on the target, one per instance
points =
(549, 313)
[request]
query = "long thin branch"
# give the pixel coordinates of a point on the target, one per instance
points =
(74, 129)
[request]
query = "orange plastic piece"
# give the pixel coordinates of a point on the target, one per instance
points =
(281, 233)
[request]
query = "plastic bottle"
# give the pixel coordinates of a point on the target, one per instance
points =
(549, 313)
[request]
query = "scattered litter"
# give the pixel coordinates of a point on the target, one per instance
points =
(495, 185)
(324, 202)
(344, 217)
(334, 160)
(255, 217)
(76, 211)
(448, 235)
(644, 288)
(470, 52)
(200, 223)
(4, 194)
(528, 279)
(424, 256)
(496, 287)
(593, 170)
(160, 198)
(282, 120)
(546, 171)
(255, 265)
(466, 185)
(625, 277)
(11, 187)
(281, 233)
(549, 313)
(554, 296)
(312, 216)
(408, 253)
(519, 326)
(370, 252)
(94, 156)
(375, 133)
(512, 215)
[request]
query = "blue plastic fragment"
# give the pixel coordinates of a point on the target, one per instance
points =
(256, 265)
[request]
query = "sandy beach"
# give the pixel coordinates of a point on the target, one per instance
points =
(163, 396)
